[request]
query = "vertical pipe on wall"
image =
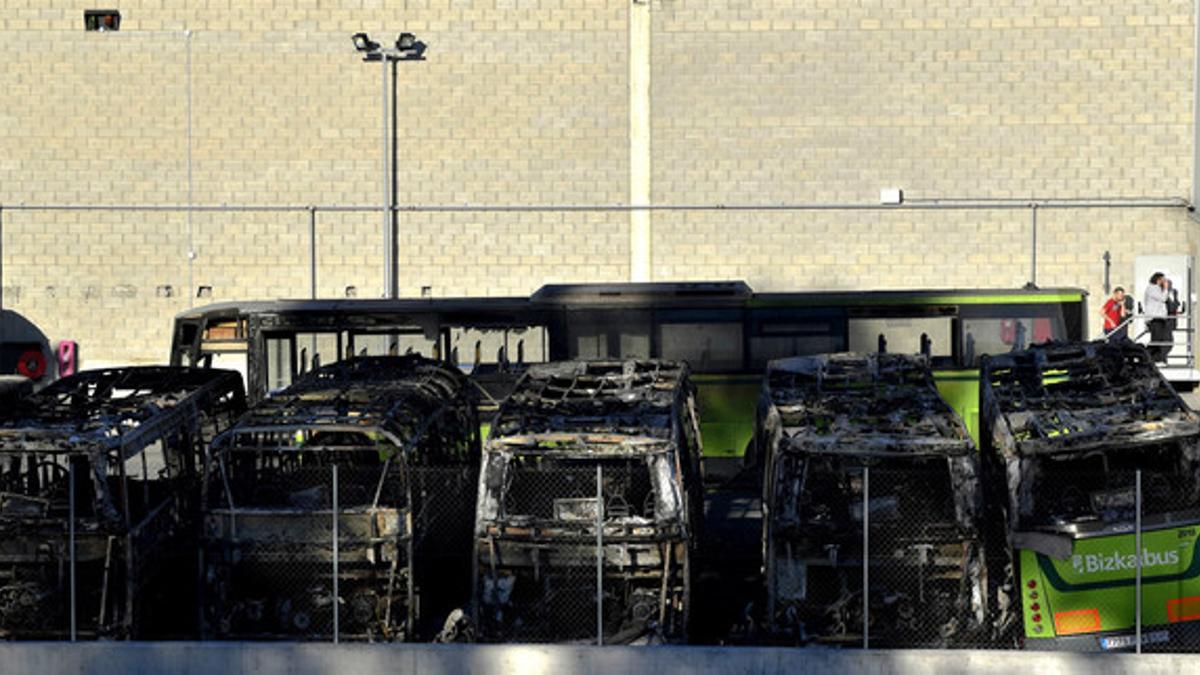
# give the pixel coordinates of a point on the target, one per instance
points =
(394, 251)
(312, 251)
(1195, 105)
(639, 140)
(191, 233)
(2, 322)
(387, 186)
(1033, 227)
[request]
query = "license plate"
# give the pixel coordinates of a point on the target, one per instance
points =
(1127, 641)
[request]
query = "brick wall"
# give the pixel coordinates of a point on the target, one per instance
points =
(526, 102)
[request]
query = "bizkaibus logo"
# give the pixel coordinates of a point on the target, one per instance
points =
(1116, 562)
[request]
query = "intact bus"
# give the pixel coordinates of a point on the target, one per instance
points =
(1088, 449)
(724, 330)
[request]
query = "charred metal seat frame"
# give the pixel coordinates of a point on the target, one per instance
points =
(128, 441)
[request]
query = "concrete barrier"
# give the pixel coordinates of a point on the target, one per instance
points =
(209, 658)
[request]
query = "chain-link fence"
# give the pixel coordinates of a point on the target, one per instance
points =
(907, 531)
(1110, 565)
(298, 546)
(348, 545)
(575, 554)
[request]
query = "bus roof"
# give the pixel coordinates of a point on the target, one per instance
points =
(115, 408)
(707, 293)
(627, 405)
(868, 405)
(395, 396)
(1075, 397)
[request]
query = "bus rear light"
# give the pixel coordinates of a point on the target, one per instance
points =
(1037, 618)
(1183, 609)
(1077, 621)
(1032, 583)
(1035, 607)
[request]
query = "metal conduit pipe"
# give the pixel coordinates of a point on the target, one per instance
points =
(910, 205)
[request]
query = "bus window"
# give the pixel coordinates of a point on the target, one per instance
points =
(1009, 334)
(316, 349)
(903, 335)
(393, 344)
(279, 363)
(609, 335)
(489, 347)
(707, 347)
(782, 339)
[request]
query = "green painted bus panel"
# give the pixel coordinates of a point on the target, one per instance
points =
(727, 411)
(1097, 581)
(918, 300)
(727, 407)
(960, 388)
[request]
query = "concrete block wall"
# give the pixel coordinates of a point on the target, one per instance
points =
(527, 102)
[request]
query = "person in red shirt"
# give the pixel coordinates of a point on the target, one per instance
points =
(1114, 313)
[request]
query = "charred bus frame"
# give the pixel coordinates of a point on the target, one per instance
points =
(1090, 455)
(344, 490)
(95, 533)
(589, 503)
(871, 483)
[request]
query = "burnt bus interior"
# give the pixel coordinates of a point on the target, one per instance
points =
(590, 464)
(118, 452)
(1068, 425)
(400, 435)
(845, 434)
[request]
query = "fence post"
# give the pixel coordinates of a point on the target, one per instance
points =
(599, 555)
(71, 537)
(336, 596)
(1137, 556)
(866, 549)
(1, 272)
(312, 251)
(1033, 210)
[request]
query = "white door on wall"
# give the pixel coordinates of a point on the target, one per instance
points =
(1178, 269)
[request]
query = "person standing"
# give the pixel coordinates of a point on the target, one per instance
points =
(1114, 314)
(1154, 305)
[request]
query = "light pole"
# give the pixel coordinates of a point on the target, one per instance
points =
(407, 48)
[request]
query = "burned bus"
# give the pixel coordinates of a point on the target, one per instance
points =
(870, 482)
(99, 475)
(589, 500)
(342, 507)
(1088, 450)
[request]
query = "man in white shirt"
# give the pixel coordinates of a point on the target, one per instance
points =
(1154, 305)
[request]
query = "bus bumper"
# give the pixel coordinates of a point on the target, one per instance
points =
(1177, 637)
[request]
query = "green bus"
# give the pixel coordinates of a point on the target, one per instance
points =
(1088, 449)
(724, 330)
